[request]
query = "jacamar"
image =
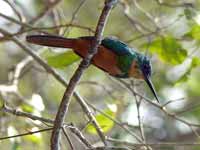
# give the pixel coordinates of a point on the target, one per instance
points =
(113, 56)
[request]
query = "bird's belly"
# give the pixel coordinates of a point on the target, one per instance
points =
(103, 59)
(107, 61)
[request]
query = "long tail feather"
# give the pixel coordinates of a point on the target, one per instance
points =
(51, 40)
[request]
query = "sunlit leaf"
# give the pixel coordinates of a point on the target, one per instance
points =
(169, 50)
(27, 108)
(34, 138)
(75, 32)
(194, 33)
(105, 123)
(195, 62)
(62, 59)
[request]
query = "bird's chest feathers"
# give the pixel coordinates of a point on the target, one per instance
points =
(125, 62)
(135, 71)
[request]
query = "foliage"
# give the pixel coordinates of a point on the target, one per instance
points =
(194, 33)
(169, 30)
(195, 63)
(62, 59)
(105, 123)
(168, 50)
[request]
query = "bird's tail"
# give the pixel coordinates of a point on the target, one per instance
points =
(51, 40)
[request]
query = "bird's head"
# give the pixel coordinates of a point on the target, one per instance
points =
(141, 69)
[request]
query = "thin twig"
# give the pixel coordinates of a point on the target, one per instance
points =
(184, 5)
(108, 91)
(74, 15)
(29, 27)
(24, 134)
(109, 148)
(68, 139)
(71, 127)
(159, 106)
(48, 8)
(148, 15)
(151, 144)
(138, 104)
(116, 122)
(78, 134)
(13, 7)
(15, 112)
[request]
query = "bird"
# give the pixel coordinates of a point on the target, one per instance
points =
(113, 56)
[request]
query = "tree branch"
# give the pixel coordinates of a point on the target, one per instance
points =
(19, 113)
(64, 105)
(24, 134)
(125, 143)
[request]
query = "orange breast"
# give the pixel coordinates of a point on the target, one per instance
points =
(104, 59)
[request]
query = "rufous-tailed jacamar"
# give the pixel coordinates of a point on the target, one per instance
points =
(113, 56)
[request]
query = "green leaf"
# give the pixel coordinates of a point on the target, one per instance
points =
(169, 50)
(62, 59)
(34, 138)
(105, 123)
(194, 33)
(189, 13)
(195, 62)
(27, 108)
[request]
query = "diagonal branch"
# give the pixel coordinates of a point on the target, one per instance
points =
(64, 105)
(25, 134)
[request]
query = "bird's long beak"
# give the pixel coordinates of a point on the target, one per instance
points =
(150, 84)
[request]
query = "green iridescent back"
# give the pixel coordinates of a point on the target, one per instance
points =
(126, 55)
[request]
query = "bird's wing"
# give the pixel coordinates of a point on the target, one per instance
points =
(116, 46)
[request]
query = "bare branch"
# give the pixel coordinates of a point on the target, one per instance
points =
(63, 108)
(71, 127)
(68, 139)
(174, 5)
(48, 8)
(74, 15)
(80, 136)
(150, 144)
(15, 112)
(24, 134)
(19, 15)
(159, 106)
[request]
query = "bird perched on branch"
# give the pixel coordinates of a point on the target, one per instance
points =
(113, 56)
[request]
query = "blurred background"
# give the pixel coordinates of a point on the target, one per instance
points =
(168, 31)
